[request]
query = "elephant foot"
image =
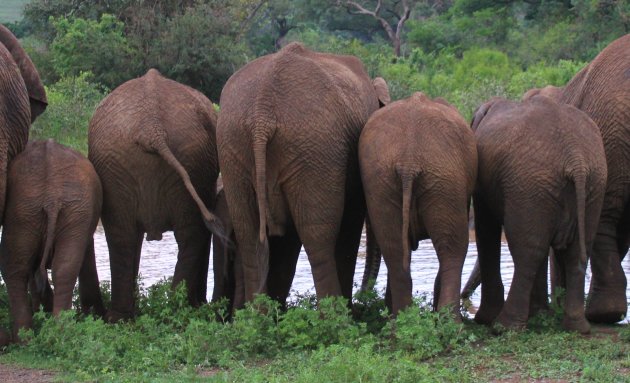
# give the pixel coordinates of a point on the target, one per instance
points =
(606, 307)
(113, 316)
(580, 325)
(504, 323)
(486, 315)
(5, 338)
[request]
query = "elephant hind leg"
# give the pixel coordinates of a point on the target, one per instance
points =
(348, 241)
(18, 255)
(89, 289)
(67, 262)
(607, 295)
(574, 273)
(124, 243)
(192, 261)
(488, 237)
(283, 256)
(529, 248)
(449, 233)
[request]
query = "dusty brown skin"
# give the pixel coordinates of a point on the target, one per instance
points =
(542, 176)
(224, 255)
(22, 99)
(602, 90)
(287, 136)
(53, 206)
(152, 144)
(418, 164)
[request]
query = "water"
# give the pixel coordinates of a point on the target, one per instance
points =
(159, 257)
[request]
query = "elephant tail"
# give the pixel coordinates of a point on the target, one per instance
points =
(372, 257)
(212, 222)
(407, 188)
(41, 277)
(579, 180)
(262, 247)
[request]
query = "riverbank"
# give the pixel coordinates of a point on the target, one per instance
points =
(170, 341)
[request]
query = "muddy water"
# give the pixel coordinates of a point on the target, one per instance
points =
(159, 257)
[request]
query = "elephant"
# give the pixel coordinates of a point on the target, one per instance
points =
(287, 139)
(23, 100)
(152, 143)
(602, 91)
(418, 161)
(224, 256)
(54, 200)
(542, 176)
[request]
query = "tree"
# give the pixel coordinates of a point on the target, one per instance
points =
(397, 10)
(99, 47)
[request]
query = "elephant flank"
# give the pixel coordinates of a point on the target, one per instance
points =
(579, 180)
(212, 222)
(407, 179)
(262, 247)
(41, 277)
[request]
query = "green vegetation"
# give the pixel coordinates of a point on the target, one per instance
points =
(172, 341)
(463, 50)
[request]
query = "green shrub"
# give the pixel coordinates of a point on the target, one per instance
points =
(422, 332)
(71, 103)
(304, 328)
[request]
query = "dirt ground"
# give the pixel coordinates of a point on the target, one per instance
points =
(14, 374)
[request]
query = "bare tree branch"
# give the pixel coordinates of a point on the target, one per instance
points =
(356, 8)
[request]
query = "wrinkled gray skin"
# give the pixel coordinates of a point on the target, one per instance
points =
(53, 206)
(418, 162)
(542, 176)
(152, 144)
(602, 90)
(287, 137)
(23, 98)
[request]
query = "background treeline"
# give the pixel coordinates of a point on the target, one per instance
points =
(463, 50)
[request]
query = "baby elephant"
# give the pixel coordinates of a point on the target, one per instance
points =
(54, 202)
(418, 165)
(542, 176)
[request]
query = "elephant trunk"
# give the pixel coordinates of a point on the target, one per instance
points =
(41, 277)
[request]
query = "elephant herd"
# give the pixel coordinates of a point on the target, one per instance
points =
(310, 149)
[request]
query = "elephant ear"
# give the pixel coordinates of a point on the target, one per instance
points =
(481, 112)
(530, 93)
(36, 91)
(382, 91)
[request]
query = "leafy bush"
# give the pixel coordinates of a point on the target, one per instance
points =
(98, 46)
(71, 102)
(422, 332)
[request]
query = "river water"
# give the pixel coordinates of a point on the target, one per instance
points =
(159, 257)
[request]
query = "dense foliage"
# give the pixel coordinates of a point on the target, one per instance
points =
(463, 50)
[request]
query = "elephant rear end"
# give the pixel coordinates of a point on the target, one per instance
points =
(53, 207)
(152, 142)
(542, 173)
(421, 152)
(287, 139)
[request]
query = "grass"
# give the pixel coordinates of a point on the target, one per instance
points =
(171, 341)
(11, 10)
